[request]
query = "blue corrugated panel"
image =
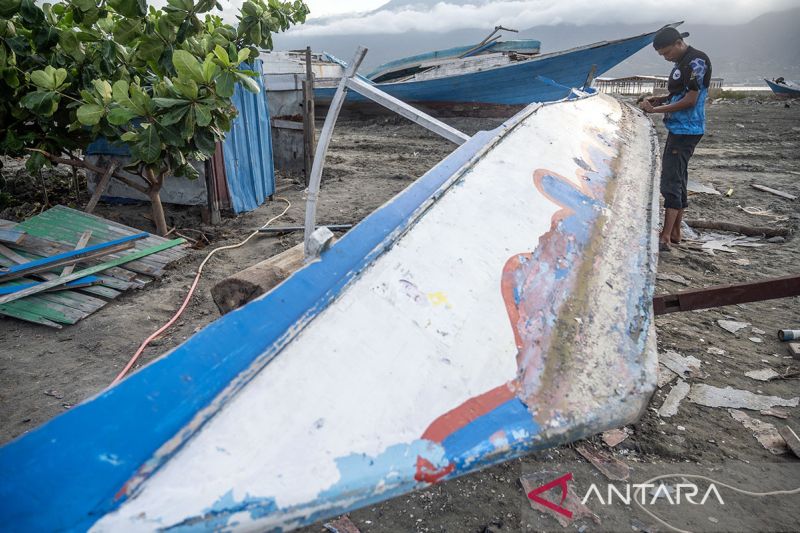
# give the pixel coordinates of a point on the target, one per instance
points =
(248, 148)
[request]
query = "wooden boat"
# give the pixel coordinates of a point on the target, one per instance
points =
(501, 304)
(497, 79)
(784, 88)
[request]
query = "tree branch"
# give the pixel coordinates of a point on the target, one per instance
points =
(88, 166)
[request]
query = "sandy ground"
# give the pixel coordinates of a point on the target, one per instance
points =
(43, 372)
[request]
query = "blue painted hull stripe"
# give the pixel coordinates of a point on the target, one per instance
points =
(65, 474)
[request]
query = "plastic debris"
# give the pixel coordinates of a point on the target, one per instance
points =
(764, 432)
(569, 501)
(776, 412)
(670, 406)
(685, 366)
(766, 374)
(612, 468)
(694, 186)
(711, 396)
(343, 524)
(612, 437)
(756, 340)
(732, 325)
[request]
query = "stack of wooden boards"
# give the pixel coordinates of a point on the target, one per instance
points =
(113, 258)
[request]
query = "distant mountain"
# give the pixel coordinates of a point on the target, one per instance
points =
(741, 54)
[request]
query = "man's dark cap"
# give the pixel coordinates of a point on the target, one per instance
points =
(667, 36)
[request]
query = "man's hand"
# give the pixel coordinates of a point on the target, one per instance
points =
(646, 106)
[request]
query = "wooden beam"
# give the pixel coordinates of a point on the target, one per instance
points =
(40, 287)
(776, 192)
(720, 295)
(68, 258)
(309, 133)
(401, 108)
(739, 228)
(82, 242)
(324, 141)
(102, 185)
(11, 236)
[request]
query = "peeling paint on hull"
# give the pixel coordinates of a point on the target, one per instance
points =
(429, 342)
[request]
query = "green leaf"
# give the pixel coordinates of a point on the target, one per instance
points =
(120, 116)
(90, 114)
(45, 37)
(119, 91)
(244, 55)
(141, 101)
(9, 8)
(202, 115)
(103, 88)
(210, 69)
(71, 45)
(59, 76)
(129, 8)
(149, 146)
(31, 14)
(150, 48)
(222, 55)
(129, 136)
(187, 88)
(249, 83)
(187, 66)
(42, 103)
(84, 5)
(170, 102)
(11, 79)
(225, 83)
(126, 30)
(43, 79)
(173, 116)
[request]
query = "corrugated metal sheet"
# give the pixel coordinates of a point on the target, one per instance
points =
(248, 148)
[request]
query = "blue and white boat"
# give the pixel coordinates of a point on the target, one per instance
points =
(495, 78)
(784, 88)
(500, 304)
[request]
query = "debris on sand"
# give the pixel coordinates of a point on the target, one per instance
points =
(765, 433)
(685, 366)
(713, 350)
(776, 412)
(612, 468)
(766, 374)
(612, 437)
(710, 396)
(343, 524)
(672, 402)
(695, 186)
(732, 326)
(677, 278)
(561, 496)
(665, 376)
(756, 340)
(791, 439)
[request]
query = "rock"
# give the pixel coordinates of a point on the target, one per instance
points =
(766, 374)
(710, 396)
(776, 240)
(732, 326)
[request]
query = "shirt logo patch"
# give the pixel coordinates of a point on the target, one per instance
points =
(698, 67)
(676, 75)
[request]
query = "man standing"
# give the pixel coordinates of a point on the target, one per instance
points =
(684, 118)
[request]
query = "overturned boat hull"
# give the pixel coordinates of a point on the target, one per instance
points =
(544, 78)
(501, 304)
(785, 89)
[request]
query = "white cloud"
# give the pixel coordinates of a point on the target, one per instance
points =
(522, 14)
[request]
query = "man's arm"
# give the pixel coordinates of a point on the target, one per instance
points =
(688, 101)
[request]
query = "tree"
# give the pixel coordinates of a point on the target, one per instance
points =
(158, 80)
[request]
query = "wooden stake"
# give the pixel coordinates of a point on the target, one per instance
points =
(309, 133)
(102, 185)
(82, 242)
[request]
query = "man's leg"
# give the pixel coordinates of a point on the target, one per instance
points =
(670, 216)
(670, 189)
(675, 234)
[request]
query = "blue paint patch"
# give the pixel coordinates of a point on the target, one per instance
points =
(218, 516)
(471, 445)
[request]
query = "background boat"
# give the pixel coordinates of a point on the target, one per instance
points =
(783, 87)
(480, 81)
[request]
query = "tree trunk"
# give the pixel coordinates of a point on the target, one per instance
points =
(156, 208)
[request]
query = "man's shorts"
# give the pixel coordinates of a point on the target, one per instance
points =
(675, 169)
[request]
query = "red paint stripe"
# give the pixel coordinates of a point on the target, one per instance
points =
(457, 418)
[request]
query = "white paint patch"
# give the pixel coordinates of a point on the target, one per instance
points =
(424, 329)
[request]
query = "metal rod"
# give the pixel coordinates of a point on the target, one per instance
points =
(322, 146)
(720, 295)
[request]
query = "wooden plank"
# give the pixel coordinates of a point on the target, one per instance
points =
(89, 271)
(11, 236)
(773, 191)
(68, 258)
(401, 108)
(309, 131)
(47, 308)
(315, 179)
(102, 185)
(82, 242)
(22, 314)
(286, 124)
(78, 283)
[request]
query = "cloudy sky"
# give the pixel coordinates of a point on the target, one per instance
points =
(399, 16)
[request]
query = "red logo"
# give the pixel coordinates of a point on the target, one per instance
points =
(560, 482)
